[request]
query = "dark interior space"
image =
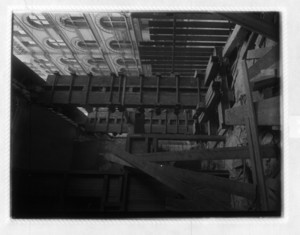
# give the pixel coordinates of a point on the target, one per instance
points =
(167, 114)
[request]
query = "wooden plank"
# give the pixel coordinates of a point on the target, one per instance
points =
(257, 53)
(185, 181)
(253, 142)
(253, 23)
(124, 90)
(267, 112)
(212, 70)
(269, 59)
(246, 45)
(235, 39)
(208, 154)
(88, 89)
(264, 81)
(111, 89)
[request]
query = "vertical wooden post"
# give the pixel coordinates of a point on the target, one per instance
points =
(88, 89)
(71, 87)
(141, 88)
(122, 122)
(166, 123)
(147, 144)
(96, 117)
(186, 122)
(198, 86)
(53, 86)
(151, 116)
(124, 90)
(111, 88)
(107, 121)
(253, 141)
(177, 124)
(155, 144)
(177, 89)
(120, 88)
(157, 88)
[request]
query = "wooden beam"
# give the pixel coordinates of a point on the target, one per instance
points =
(155, 61)
(253, 23)
(63, 82)
(186, 182)
(235, 39)
(257, 53)
(253, 142)
(265, 81)
(207, 154)
(267, 112)
(212, 70)
(269, 59)
(131, 100)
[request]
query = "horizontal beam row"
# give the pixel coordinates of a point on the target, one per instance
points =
(128, 92)
(192, 24)
(181, 44)
(148, 82)
(176, 53)
(102, 99)
(143, 49)
(188, 68)
(166, 122)
(189, 38)
(182, 115)
(178, 15)
(207, 32)
(176, 58)
(176, 63)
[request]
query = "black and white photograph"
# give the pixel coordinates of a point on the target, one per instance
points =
(149, 117)
(138, 114)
